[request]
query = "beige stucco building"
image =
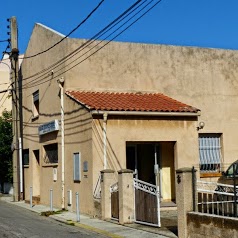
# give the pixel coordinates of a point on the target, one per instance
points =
(95, 137)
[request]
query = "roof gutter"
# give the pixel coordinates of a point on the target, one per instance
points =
(136, 113)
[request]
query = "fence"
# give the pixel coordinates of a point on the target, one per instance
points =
(216, 198)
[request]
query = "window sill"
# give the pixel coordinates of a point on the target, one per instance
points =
(50, 165)
(209, 175)
(26, 166)
(77, 181)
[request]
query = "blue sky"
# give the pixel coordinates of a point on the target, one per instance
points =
(203, 23)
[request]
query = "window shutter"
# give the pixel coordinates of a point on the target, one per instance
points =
(77, 160)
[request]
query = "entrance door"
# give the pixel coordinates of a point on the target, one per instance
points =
(146, 158)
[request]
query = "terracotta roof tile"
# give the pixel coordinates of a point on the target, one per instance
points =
(115, 101)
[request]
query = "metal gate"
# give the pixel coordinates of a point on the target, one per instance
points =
(147, 203)
(114, 201)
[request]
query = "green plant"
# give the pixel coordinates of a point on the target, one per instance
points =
(6, 170)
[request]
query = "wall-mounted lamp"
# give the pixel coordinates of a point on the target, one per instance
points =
(200, 126)
(60, 80)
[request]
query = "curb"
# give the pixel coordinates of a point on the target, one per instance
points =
(86, 227)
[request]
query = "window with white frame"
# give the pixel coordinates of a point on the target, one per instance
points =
(77, 166)
(210, 152)
(36, 102)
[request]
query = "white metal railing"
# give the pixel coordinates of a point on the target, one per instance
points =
(146, 187)
(213, 187)
(216, 198)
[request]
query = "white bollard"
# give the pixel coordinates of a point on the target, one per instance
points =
(77, 207)
(51, 199)
(31, 194)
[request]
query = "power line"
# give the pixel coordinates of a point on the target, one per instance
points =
(125, 12)
(81, 23)
(104, 39)
(4, 41)
(4, 91)
(90, 41)
(8, 45)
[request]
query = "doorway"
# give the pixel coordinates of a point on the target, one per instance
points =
(146, 158)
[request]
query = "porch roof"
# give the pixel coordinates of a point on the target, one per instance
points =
(129, 102)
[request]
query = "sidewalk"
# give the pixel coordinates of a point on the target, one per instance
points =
(107, 228)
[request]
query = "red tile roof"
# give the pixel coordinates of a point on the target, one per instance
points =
(143, 102)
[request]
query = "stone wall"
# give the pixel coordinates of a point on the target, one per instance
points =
(212, 226)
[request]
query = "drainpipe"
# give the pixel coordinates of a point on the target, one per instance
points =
(61, 82)
(105, 140)
(20, 165)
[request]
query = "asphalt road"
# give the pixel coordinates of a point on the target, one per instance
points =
(19, 222)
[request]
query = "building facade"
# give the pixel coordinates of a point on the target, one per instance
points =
(67, 141)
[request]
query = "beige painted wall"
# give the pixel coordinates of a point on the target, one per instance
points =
(122, 130)
(5, 100)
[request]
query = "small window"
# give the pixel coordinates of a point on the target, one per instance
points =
(36, 102)
(210, 153)
(51, 154)
(26, 157)
(77, 167)
(37, 156)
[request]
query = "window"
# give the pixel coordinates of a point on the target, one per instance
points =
(25, 157)
(36, 102)
(51, 154)
(230, 171)
(77, 167)
(210, 153)
(37, 156)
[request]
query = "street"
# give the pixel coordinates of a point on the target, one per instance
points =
(19, 222)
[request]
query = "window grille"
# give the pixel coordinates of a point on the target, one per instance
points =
(51, 154)
(210, 152)
(77, 167)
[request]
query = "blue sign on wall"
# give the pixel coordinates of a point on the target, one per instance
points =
(48, 127)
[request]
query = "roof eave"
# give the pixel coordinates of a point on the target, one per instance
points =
(146, 113)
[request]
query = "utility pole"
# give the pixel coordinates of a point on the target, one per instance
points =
(17, 164)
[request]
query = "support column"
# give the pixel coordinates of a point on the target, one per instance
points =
(185, 197)
(126, 196)
(107, 179)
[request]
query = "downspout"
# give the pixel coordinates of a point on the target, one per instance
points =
(60, 82)
(20, 165)
(105, 140)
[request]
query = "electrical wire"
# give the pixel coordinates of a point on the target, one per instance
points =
(125, 12)
(4, 91)
(122, 16)
(57, 43)
(84, 45)
(105, 38)
(8, 45)
(1, 41)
